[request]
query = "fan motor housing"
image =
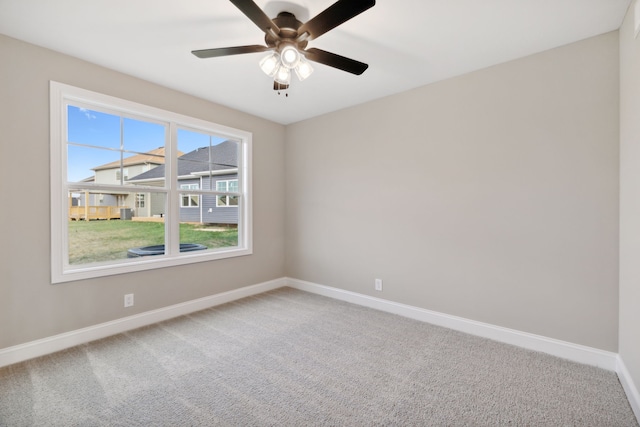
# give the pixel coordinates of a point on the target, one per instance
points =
(288, 25)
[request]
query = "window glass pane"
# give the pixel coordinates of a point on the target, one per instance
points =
(93, 128)
(225, 155)
(190, 201)
(143, 137)
(104, 162)
(194, 153)
(233, 186)
(140, 200)
(146, 168)
(105, 226)
(86, 164)
(205, 155)
(189, 140)
(214, 233)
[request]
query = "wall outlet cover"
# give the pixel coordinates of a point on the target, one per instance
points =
(128, 300)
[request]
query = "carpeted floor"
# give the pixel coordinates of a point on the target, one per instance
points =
(290, 358)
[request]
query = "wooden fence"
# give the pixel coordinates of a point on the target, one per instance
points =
(87, 213)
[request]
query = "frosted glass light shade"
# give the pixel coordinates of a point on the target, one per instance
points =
(283, 76)
(304, 69)
(289, 56)
(269, 64)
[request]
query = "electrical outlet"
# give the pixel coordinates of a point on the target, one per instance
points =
(128, 300)
(378, 285)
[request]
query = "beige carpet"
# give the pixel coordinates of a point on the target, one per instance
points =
(290, 358)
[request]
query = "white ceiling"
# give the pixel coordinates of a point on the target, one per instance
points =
(407, 43)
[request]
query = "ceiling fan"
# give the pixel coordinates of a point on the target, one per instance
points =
(287, 38)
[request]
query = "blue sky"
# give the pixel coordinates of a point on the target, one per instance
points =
(102, 133)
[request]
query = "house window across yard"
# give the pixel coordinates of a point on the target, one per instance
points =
(140, 200)
(189, 200)
(127, 177)
(119, 175)
(225, 200)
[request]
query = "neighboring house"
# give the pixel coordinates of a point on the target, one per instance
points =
(100, 205)
(113, 173)
(205, 168)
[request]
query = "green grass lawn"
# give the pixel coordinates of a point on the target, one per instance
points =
(95, 241)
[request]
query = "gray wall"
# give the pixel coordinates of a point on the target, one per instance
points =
(492, 196)
(32, 308)
(630, 198)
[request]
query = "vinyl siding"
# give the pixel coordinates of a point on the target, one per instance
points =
(214, 214)
(190, 214)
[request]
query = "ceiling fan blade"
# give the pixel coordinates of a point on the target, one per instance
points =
(253, 12)
(226, 51)
(336, 14)
(336, 61)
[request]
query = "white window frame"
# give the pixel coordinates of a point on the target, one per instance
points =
(60, 96)
(119, 174)
(140, 200)
(227, 193)
(187, 187)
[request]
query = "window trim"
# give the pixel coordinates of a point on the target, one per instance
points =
(61, 271)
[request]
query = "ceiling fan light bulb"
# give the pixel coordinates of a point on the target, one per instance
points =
(283, 76)
(269, 64)
(290, 56)
(303, 70)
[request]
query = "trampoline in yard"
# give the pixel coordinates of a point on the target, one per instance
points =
(159, 250)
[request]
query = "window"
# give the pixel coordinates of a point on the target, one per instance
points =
(140, 200)
(119, 175)
(189, 200)
(111, 158)
(226, 200)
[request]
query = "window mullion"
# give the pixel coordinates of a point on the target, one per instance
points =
(172, 223)
(121, 150)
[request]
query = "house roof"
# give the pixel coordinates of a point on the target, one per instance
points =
(154, 156)
(215, 158)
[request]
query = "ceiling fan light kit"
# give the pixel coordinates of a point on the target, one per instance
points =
(270, 64)
(279, 65)
(283, 76)
(287, 39)
(289, 56)
(304, 69)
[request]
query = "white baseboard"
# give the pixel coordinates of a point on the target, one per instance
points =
(574, 352)
(629, 387)
(22, 352)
